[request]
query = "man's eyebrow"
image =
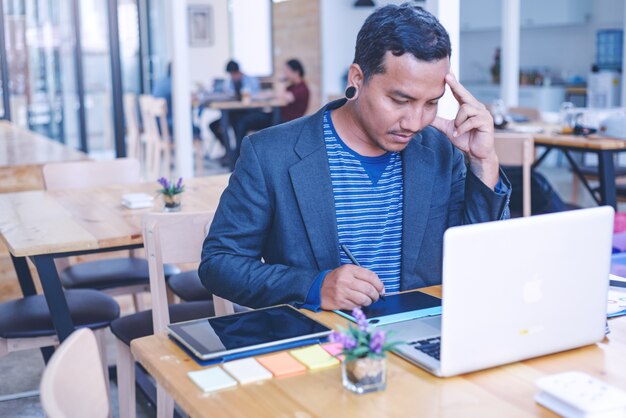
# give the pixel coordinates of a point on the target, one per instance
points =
(439, 97)
(403, 95)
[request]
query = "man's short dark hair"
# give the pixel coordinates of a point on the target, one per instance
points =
(400, 29)
(232, 67)
(296, 66)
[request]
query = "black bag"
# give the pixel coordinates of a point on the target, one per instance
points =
(543, 198)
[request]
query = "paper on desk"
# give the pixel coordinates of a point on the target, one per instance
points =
(212, 379)
(314, 357)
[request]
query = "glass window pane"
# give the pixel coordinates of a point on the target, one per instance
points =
(39, 43)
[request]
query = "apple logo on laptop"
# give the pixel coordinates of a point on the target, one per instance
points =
(533, 291)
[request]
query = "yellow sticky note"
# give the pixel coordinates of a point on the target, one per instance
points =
(314, 357)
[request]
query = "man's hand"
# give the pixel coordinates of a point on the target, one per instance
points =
(472, 132)
(349, 286)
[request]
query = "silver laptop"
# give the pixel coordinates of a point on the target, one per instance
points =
(513, 290)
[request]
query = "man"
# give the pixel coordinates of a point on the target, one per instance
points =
(296, 95)
(239, 84)
(379, 173)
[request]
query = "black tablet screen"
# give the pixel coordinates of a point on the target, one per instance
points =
(247, 329)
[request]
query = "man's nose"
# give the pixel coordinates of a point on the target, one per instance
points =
(413, 120)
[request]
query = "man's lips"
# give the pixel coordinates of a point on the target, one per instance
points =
(402, 137)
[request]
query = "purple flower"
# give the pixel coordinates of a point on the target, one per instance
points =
(349, 343)
(377, 341)
(163, 182)
(360, 318)
(179, 183)
(346, 341)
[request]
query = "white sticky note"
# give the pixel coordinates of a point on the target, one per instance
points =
(212, 379)
(247, 370)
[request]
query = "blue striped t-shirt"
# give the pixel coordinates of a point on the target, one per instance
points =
(368, 205)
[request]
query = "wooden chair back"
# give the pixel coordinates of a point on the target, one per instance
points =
(157, 155)
(73, 383)
(174, 238)
(83, 174)
(133, 133)
(518, 150)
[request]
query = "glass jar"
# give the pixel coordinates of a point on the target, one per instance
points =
(172, 203)
(363, 375)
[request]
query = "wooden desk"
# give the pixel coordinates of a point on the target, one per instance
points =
(47, 224)
(226, 107)
(505, 391)
(605, 148)
(23, 153)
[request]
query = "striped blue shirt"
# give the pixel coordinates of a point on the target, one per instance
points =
(368, 205)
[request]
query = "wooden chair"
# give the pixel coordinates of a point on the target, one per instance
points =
(518, 150)
(133, 133)
(158, 150)
(114, 276)
(168, 238)
(73, 383)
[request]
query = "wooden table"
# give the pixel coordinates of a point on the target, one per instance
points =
(23, 153)
(505, 391)
(605, 148)
(226, 107)
(43, 225)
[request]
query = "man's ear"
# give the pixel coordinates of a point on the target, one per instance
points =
(355, 76)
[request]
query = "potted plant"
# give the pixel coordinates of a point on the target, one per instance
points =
(364, 368)
(171, 193)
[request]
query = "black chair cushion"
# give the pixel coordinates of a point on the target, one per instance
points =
(138, 325)
(30, 317)
(110, 273)
(187, 286)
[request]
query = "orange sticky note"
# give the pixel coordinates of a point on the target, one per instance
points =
(281, 364)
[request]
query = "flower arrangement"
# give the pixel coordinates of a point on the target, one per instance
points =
(363, 340)
(171, 188)
(364, 367)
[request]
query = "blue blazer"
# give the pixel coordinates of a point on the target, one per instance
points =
(275, 228)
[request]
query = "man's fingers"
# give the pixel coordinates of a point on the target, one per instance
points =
(370, 278)
(461, 94)
(365, 288)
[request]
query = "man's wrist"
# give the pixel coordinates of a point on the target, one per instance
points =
(486, 169)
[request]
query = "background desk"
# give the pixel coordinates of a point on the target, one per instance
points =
(22, 155)
(228, 106)
(604, 148)
(47, 224)
(505, 391)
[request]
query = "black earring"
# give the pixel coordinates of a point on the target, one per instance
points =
(350, 92)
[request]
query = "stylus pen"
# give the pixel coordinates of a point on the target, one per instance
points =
(356, 263)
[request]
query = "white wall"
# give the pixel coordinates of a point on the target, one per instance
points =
(207, 63)
(340, 23)
(566, 50)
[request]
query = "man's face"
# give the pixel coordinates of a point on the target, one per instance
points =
(392, 107)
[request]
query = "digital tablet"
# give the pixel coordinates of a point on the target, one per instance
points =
(225, 336)
(399, 307)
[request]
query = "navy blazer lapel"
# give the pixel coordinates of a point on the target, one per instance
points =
(313, 188)
(417, 161)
